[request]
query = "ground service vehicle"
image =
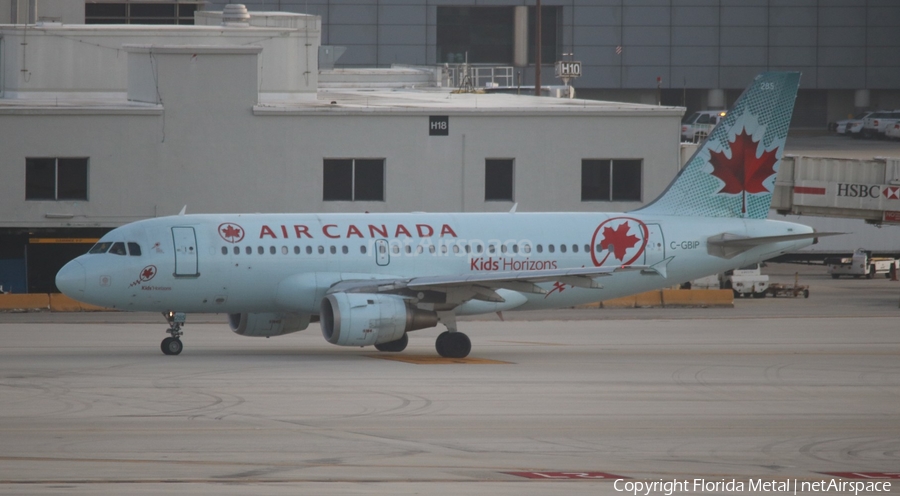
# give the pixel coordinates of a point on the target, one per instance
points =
(697, 126)
(861, 264)
(746, 281)
(877, 123)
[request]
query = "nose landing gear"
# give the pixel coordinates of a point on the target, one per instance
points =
(172, 345)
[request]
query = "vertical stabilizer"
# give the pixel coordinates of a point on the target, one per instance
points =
(733, 172)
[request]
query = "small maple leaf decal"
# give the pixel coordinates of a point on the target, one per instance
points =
(148, 273)
(231, 232)
(743, 173)
(619, 239)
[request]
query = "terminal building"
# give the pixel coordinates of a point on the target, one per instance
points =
(697, 54)
(102, 125)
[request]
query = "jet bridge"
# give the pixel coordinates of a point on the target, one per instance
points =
(830, 187)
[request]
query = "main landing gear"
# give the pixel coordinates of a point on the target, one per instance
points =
(452, 343)
(172, 345)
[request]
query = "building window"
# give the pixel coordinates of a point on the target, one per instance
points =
(56, 178)
(353, 179)
(551, 29)
(498, 179)
(141, 12)
(486, 33)
(611, 180)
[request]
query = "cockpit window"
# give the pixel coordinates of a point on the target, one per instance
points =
(118, 248)
(134, 249)
(101, 247)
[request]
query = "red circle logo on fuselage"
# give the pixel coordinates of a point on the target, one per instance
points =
(231, 232)
(147, 273)
(622, 238)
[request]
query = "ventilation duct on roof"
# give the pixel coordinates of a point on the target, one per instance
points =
(236, 15)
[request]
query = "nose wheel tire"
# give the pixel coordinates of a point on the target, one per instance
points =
(453, 345)
(171, 346)
(397, 345)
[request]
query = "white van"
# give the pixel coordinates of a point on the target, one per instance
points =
(697, 126)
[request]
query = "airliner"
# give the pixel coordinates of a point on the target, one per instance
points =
(369, 279)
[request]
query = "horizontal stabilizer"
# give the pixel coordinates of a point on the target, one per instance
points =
(727, 245)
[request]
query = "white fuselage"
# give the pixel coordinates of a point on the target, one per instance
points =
(228, 263)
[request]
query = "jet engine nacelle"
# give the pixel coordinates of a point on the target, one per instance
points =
(359, 319)
(267, 324)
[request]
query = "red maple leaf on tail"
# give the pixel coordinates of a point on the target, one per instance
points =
(744, 172)
(619, 239)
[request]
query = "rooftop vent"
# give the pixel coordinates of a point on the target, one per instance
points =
(235, 14)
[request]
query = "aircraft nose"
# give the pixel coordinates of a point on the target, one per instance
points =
(70, 279)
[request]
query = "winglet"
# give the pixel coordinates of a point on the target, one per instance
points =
(659, 268)
(183, 210)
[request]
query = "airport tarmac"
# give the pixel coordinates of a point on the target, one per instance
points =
(773, 389)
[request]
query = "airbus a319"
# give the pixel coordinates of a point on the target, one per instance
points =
(369, 279)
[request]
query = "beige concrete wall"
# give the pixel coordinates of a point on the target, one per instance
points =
(72, 61)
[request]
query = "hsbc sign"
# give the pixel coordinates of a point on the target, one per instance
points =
(847, 195)
(865, 190)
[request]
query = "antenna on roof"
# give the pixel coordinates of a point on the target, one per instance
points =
(183, 210)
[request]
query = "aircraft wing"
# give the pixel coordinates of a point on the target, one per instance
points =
(481, 286)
